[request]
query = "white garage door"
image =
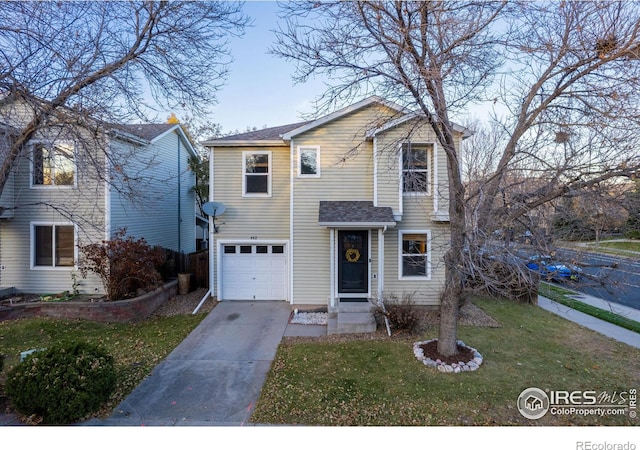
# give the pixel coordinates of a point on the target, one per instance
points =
(254, 272)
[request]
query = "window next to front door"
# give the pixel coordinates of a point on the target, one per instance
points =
(53, 245)
(415, 254)
(256, 174)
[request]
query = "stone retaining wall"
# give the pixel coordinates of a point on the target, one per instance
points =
(121, 311)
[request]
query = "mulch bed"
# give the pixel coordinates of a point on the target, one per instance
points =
(430, 349)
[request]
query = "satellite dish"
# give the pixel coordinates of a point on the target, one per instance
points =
(213, 208)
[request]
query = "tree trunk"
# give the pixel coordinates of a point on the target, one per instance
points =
(453, 292)
(448, 328)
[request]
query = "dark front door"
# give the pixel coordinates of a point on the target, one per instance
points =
(353, 262)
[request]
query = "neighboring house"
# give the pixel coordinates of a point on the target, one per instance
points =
(328, 213)
(63, 193)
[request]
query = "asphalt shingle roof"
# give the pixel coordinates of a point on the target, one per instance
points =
(354, 212)
(266, 134)
(146, 131)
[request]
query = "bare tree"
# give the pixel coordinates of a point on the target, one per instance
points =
(563, 75)
(88, 65)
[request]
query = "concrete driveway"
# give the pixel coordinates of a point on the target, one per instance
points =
(215, 375)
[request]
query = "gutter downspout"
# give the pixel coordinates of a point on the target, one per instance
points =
(179, 198)
(211, 232)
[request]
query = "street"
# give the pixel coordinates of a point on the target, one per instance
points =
(612, 278)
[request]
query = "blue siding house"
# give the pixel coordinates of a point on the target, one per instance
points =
(61, 196)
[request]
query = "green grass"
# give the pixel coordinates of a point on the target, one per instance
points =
(618, 248)
(563, 296)
(379, 381)
(633, 246)
(136, 347)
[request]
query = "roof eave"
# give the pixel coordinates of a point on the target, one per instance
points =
(245, 143)
(128, 137)
(370, 134)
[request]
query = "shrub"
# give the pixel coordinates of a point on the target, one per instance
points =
(62, 384)
(124, 265)
(1, 362)
(402, 313)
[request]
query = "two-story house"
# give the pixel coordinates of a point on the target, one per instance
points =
(69, 189)
(332, 212)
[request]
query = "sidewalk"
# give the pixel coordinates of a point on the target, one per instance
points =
(608, 329)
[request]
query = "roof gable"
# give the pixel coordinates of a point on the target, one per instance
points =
(148, 133)
(341, 113)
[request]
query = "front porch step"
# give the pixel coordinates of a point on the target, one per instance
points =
(351, 322)
(353, 307)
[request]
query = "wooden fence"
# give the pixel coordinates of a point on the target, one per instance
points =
(199, 266)
(196, 264)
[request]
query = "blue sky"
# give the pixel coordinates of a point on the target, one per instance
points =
(260, 90)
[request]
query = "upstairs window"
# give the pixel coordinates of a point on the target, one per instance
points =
(53, 165)
(308, 162)
(256, 168)
(416, 176)
(53, 245)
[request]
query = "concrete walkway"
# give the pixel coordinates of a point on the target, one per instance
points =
(598, 325)
(214, 376)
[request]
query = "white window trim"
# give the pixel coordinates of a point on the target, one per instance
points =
(401, 234)
(428, 170)
(315, 148)
(32, 246)
(244, 173)
(32, 145)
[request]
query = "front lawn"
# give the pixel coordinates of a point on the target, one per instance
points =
(346, 381)
(136, 347)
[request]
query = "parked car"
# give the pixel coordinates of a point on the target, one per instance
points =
(553, 270)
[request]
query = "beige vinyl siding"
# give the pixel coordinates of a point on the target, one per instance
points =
(346, 174)
(85, 203)
(389, 167)
(253, 219)
(417, 210)
(425, 292)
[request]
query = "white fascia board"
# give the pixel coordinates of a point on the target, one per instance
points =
(130, 138)
(185, 139)
(355, 225)
(399, 121)
(166, 132)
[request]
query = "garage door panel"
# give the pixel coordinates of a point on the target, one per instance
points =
(254, 272)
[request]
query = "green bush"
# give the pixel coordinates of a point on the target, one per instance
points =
(62, 384)
(1, 362)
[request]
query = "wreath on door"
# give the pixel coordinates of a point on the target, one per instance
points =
(352, 255)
